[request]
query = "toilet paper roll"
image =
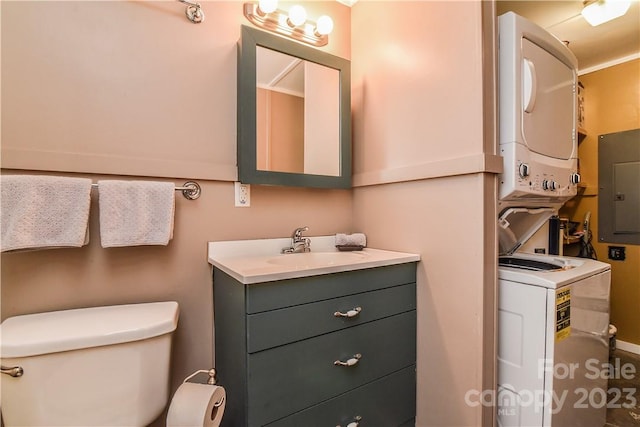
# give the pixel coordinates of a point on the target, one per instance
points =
(197, 405)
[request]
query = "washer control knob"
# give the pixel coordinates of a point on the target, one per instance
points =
(545, 184)
(553, 185)
(575, 178)
(523, 170)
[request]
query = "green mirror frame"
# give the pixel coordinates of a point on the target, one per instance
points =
(248, 173)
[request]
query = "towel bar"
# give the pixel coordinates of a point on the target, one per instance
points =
(190, 190)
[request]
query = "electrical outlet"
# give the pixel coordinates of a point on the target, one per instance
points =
(617, 253)
(243, 195)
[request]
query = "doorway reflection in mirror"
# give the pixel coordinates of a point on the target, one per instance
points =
(298, 115)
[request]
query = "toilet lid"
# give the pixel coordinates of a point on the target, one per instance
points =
(52, 332)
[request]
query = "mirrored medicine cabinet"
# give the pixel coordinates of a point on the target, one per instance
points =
(294, 113)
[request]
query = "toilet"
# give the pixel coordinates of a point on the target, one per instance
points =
(101, 366)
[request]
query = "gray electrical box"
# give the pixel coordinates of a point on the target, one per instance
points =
(619, 187)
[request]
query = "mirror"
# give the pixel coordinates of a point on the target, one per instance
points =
(294, 119)
(298, 115)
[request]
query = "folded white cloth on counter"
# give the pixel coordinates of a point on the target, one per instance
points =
(134, 213)
(355, 239)
(43, 212)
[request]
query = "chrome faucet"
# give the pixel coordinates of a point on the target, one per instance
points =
(298, 243)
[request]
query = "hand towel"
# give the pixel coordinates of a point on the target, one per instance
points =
(41, 212)
(355, 239)
(134, 213)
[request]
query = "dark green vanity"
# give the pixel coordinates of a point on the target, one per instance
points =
(323, 350)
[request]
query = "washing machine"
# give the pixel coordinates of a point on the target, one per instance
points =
(553, 311)
(553, 316)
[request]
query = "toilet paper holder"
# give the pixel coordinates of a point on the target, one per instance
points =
(210, 372)
(196, 403)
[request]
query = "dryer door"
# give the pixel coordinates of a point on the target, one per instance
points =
(549, 103)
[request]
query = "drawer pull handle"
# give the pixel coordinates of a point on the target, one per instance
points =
(351, 313)
(354, 423)
(351, 362)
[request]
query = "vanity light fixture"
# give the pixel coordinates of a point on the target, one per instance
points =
(267, 6)
(324, 26)
(265, 14)
(598, 12)
(297, 16)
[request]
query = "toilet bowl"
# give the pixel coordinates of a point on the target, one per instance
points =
(101, 366)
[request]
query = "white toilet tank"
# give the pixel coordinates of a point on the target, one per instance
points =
(101, 366)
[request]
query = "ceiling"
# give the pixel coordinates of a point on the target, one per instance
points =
(592, 46)
(278, 71)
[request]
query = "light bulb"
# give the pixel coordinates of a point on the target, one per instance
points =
(297, 15)
(267, 6)
(324, 25)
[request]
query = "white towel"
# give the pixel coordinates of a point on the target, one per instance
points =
(134, 213)
(355, 239)
(40, 212)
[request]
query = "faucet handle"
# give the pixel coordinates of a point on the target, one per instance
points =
(297, 233)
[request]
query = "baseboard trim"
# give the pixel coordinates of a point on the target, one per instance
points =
(628, 346)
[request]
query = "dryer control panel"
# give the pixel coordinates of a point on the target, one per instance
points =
(529, 175)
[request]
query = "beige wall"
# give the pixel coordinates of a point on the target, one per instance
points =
(280, 131)
(127, 87)
(135, 89)
(449, 234)
(612, 104)
(425, 183)
(124, 88)
(90, 276)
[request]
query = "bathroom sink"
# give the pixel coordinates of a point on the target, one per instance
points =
(261, 260)
(316, 259)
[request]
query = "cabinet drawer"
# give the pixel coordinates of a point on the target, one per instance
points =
(283, 326)
(287, 293)
(389, 401)
(293, 377)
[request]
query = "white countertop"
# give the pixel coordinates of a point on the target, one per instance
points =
(255, 261)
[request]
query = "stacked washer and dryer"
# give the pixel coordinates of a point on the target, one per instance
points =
(553, 310)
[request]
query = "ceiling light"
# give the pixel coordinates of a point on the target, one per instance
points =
(600, 11)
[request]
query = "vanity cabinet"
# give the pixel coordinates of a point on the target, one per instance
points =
(325, 350)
